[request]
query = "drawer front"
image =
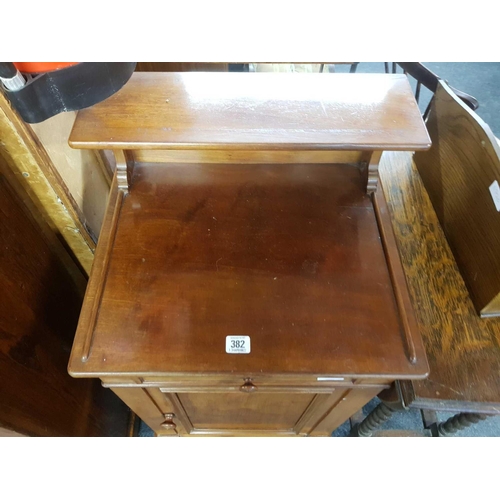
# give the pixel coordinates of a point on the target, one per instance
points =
(302, 383)
(235, 382)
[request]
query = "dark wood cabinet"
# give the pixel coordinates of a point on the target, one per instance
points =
(41, 293)
(246, 280)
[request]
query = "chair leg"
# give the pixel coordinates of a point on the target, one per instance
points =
(459, 422)
(354, 67)
(381, 414)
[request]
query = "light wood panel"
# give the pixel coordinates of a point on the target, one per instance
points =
(35, 172)
(457, 173)
(248, 156)
(463, 349)
(83, 172)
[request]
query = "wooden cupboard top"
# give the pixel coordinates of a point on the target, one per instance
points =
(289, 255)
(255, 111)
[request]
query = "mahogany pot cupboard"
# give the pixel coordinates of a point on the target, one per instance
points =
(247, 280)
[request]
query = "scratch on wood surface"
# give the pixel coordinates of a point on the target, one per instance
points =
(446, 387)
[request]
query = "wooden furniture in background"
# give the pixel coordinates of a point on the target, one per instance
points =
(352, 69)
(463, 349)
(246, 204)
(181, 66)
(458, 173)
(424, 77)
(210, 66)
(41, 292)
(295, 67)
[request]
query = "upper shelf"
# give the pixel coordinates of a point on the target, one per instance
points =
(255, 111)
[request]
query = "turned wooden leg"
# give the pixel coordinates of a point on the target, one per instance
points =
(381, 414)
(459, 422)
(391, 402)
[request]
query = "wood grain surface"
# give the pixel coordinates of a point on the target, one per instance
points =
(457, 173)
(246, 237)
(287, 254)
(39, 307)
(463, 349)
(82, 172)
(255, 111)
(34, 170)
(245, 156)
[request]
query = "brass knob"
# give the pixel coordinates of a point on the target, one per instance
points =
(169, 422)
(248, 386)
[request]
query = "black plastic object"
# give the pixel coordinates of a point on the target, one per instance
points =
(69, 89)
(7, 70)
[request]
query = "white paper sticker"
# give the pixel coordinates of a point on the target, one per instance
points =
(495, 194)
(237, 344)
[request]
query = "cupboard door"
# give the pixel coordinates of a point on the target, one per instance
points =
(276, 412)
(264, 412)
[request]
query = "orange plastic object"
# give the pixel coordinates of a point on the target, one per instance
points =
(41, 67)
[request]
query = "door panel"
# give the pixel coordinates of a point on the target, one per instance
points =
(260, 411)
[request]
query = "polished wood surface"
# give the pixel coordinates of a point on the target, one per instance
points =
(255, 111)
(275, 252)
(269, 411)
(272, 411)
(40, 301)
(457, 173)
(463, 349)
(282, 244)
